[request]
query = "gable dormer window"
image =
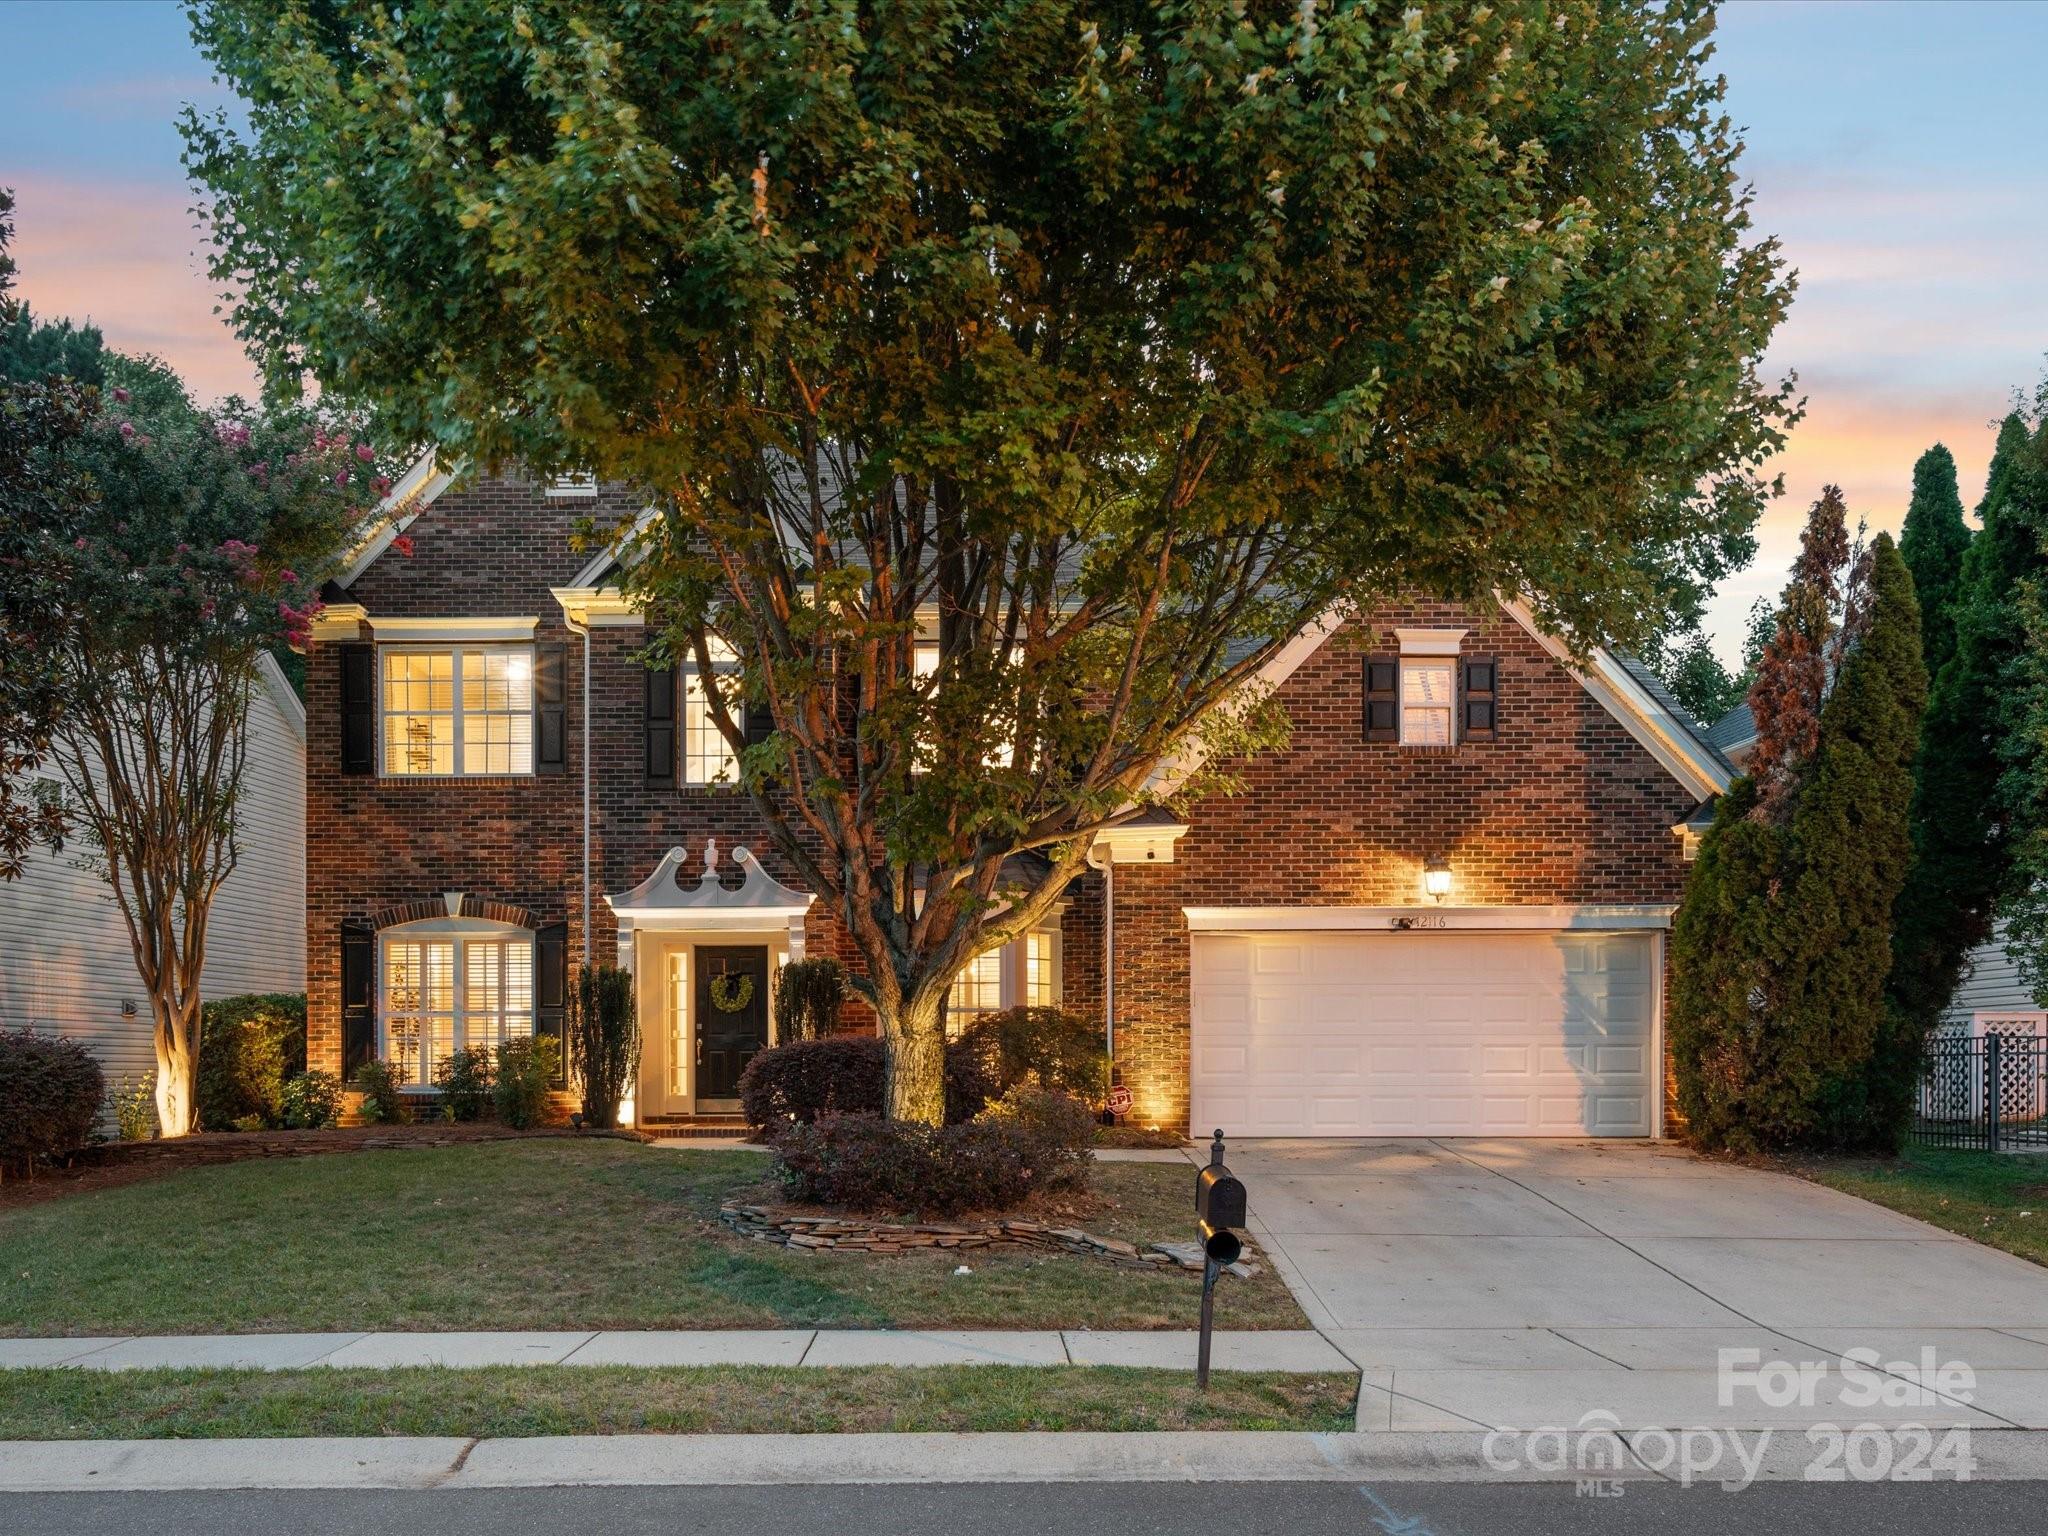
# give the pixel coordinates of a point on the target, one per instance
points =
(580, 487)
(1429, 686)
(456, 711)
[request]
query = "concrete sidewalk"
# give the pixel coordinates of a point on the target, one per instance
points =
(1275, 1350)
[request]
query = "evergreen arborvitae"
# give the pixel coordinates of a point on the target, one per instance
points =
(1842, 1079)
(1723, 983)
(2023, 788)
(1933, 543)
(1960, 849)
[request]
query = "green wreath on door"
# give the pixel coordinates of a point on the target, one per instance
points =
(727, 997)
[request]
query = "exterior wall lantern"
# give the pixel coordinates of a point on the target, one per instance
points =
(1436, 879)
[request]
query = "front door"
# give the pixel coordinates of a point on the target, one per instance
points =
(731, 1014)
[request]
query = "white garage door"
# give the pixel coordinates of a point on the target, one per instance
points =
(1423, 1034)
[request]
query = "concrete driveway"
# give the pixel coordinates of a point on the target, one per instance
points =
(1528, 1282)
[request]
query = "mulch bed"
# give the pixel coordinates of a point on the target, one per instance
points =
(115, 1163)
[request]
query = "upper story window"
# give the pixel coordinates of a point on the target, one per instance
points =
(1428, 690)
(572, 487)
(446, 989)
(708, 758)
(461, 710)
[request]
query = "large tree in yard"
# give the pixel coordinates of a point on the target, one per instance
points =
(1962, 841)
(194, 543)
(1934, 540)
(1015, 379)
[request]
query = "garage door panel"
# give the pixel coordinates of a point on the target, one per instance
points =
(1423, 1034)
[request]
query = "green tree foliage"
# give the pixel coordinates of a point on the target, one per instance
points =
(1962, 851)
(32, 349)
(1781, 1030)
(1847, 1076)
(190, 544)
(1696, 678)
(39, 495)
(1933, 542)
(2023, 785)
(1101, 347)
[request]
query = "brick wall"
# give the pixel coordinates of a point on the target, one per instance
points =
(1563, 807)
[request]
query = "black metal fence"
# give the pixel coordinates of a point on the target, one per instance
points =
(1988, 1093)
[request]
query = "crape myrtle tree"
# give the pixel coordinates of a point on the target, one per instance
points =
(199, 547)
(1014, 380)
(1962, 844)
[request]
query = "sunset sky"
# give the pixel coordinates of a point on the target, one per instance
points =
(1897, 149)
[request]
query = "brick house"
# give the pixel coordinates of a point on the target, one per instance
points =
(1440, 911)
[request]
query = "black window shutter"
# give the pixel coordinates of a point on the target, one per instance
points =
(1382, 698)
(1482, 698)
(551, 989)
(759, 723)
(550, 709)
(358, 708)
(658, 726)
(358, 996)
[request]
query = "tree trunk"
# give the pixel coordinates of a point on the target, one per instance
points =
(177, 1066)
(915, 1039)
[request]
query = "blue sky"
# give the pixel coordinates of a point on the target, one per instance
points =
(1897, 149)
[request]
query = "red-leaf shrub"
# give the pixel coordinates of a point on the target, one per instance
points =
(1035, 1140)
(50, 1093)
(805, 1080)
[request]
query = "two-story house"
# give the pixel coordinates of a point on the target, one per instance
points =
(1441, 910)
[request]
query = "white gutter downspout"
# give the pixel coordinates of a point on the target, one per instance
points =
(583, 630)
(1109, 957)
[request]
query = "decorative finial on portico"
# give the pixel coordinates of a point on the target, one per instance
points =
(709, 879)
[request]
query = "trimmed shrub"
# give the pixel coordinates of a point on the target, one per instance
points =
(527, 1069)
(864, 1163)
(50, 1095)
(1051, 1047)
(806, 1079)
(847, 1075)
(604, 1041)
(312, 1101)
(464, 1078)
(382, 1103)
(807, 998)
(248, 1046)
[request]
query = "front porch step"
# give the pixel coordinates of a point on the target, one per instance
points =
(695, 1127)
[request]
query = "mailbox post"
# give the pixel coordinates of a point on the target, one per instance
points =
(1219, 1208)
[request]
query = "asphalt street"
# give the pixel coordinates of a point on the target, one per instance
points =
(1130, 1509)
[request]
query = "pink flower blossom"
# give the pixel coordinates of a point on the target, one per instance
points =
(120, 394)
(381, 485)
(403, 544)
(365, 453)
(341, 478)
(128, 429)
(207, 608)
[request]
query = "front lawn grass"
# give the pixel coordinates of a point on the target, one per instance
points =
(552, 1234)
(1998, 1199)
(623, 1400)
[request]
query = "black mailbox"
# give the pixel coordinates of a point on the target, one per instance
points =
(1219, 1197)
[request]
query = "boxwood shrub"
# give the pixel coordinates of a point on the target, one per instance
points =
(249, 1046)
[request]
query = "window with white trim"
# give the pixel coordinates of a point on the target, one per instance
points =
(1025, 973)
(580, 487)
(443, 991)
(457, 711)
(1428, 695)
(708, 758)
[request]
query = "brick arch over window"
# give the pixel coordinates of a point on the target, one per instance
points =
(430, 907)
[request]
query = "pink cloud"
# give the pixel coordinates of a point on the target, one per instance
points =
(128, 259)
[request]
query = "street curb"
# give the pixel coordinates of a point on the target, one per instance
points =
(768, 1460)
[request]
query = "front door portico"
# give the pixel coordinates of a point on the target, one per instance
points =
(704, 959)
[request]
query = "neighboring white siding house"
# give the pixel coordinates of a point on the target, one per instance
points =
(65, 961)
(1992, 983)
